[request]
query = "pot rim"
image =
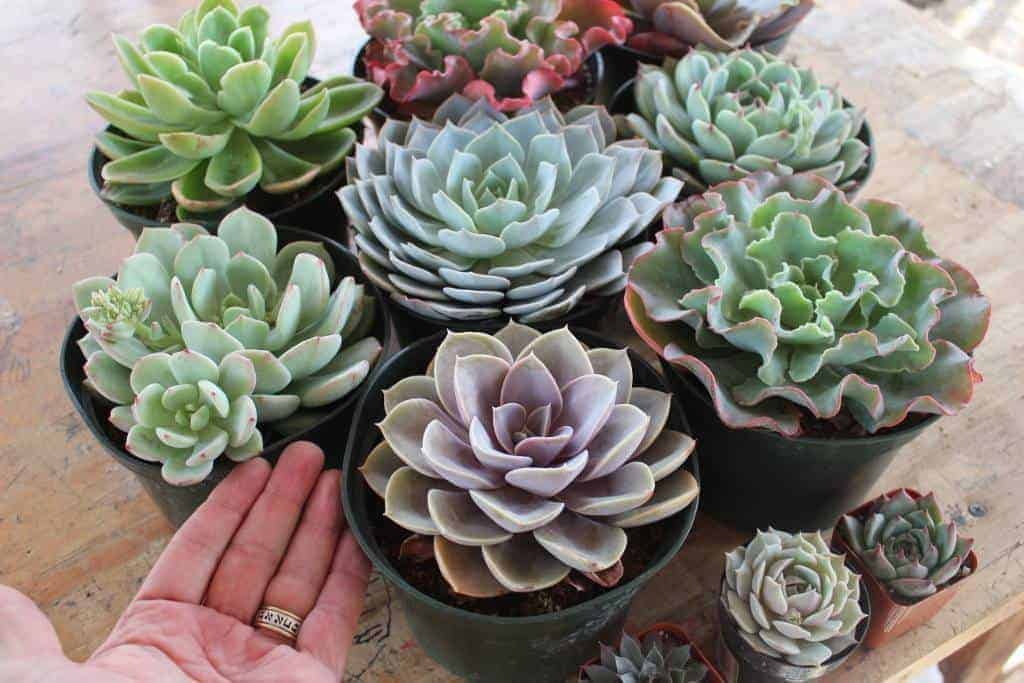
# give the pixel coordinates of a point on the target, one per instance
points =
(654, 57)
(69, 352)
(385, 567)
(700, 393)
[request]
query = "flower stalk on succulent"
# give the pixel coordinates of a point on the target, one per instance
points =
(241, 333)
(216, 108)
(791, 598)
(510, 52)
(478, 215)
(524, 457)
(675, 26)
(908, 545)
(657, 660)
(723, 116)
(790, 304)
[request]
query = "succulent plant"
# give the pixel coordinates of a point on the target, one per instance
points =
(722, 117)
(216, 107)
(525, 456)
(510, 52)
(906, 544)
(792, 598)
(658, 660)
(214, 298)
(677, 25)
(784, 300)
(477, 214)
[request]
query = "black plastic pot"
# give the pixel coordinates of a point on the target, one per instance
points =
(622, 102)
(318, 208)
(756, 478)
(597, 90)
(482, 647)
(178, 502)
(743, 664)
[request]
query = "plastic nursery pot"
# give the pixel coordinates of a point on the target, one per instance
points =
(484, 647)
(892, 615)
(591, 89)
(316, 207)
(677, 634)
(743, 664)
(622, 102)
(329, 430)
(756, 478)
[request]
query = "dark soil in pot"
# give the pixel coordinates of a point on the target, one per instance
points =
(756, 478)
(315, 207)
(329, 430)
(550, 645)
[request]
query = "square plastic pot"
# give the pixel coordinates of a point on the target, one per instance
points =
(679, 635)
(481, 647)
(756, 478)
(892, 616)
(177, 503)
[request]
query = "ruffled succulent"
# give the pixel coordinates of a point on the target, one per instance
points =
(785, 300)
(658, 660)
(671, 27)
(476, 215)
(906, 544)
(229, 295)
(525, 456)
(722, 117)
(510, 52)
(792, 598)
(216, 108)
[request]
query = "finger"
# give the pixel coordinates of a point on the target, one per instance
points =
(184, 569)
(327, 632)
(256, 550)
(302, 572)
(24, 629)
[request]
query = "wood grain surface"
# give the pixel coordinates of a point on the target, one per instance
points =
(77, 533)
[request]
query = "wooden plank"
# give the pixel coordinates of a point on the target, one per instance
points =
(79, 534)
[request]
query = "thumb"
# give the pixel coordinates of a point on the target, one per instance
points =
(25, 632)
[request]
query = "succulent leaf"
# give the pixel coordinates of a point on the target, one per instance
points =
(659, 659)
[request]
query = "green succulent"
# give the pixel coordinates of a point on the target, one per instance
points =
(477, 215)
(906, 544)
(233, 295)
(724, 116)
(659, 660)
(216, 107)
(786, 301)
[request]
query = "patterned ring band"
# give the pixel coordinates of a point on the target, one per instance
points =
(279, 621)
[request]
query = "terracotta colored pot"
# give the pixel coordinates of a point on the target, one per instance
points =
(680, 636)
(891, 617)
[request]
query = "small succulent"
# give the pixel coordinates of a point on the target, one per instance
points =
(195, 300)
(784, 299)
(677, 25)
(476, 215)
(510, 52)
(525, 456)
(658, 660)
(216, 108)
(906, 544)
(723, 116)
(791, 597)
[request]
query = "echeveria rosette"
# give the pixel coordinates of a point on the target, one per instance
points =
(216, 109)
(656, 660)
(677, 25)
(510, 52)
(721, 117)
(791, 597)
(525, 456)
(477, 215)
(785, 300)
(908, 545)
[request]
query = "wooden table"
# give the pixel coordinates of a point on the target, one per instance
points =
(77, 532)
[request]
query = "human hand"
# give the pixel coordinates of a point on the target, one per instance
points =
(262, 538)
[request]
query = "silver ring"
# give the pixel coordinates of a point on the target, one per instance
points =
(281, 622)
